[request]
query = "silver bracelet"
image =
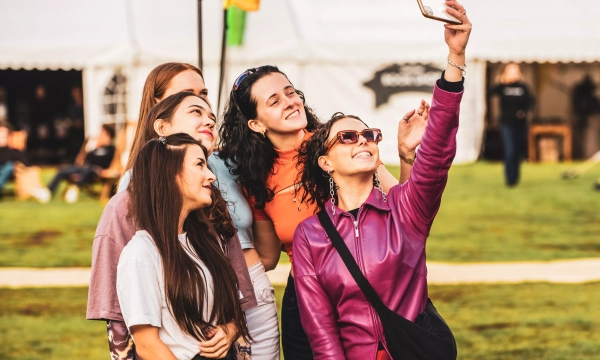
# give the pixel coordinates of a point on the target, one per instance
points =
(461, 68)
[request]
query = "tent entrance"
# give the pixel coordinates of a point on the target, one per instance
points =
(48, 106)
(562, 96)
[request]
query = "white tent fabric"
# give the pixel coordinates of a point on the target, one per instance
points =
(66, 34)
(329, 48)
(82, 33)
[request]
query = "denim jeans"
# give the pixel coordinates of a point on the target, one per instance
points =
(293, 338)
(6, 171)
(262, 319)
(513, 141)
(86, 175)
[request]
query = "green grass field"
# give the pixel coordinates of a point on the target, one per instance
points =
(543, 218)
(492, 322)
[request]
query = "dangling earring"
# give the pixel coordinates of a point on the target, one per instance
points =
(263, 133)
(377, 184)
(332, 192)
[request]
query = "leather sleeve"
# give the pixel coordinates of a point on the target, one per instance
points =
(238, 262)
(419, 198)
(316, 310)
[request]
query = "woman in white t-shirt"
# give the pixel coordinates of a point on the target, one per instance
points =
(174, 281)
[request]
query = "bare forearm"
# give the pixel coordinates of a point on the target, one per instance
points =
(405, 169)
(266, 243)
(148, 344)
(155, 350)
(452, 73)
(386, 179)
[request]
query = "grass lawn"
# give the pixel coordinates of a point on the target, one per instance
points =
(527, 321)
(543, 218)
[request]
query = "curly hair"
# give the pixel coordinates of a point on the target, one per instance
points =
(248, 155)
(314, 180)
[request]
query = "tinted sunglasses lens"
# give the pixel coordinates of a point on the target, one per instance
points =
(348, 137)
(373, 135)
(369, 135)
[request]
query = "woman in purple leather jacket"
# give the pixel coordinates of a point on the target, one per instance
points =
(386, 233)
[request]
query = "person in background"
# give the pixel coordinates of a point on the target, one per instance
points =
(75, 132)
(14, 163)
(40, 125)
(95, 162)
(515, 102)
(8, 157)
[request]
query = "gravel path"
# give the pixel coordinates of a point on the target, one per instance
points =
(562, 271)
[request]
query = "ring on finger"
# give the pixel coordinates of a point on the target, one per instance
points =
(420, 114)
(464, 12)
(405, 119)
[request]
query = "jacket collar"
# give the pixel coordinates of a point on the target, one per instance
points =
(375, 200)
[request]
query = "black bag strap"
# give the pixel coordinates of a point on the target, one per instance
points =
(342, 249)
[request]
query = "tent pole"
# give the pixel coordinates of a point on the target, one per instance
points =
(223, 58)
(200, 57)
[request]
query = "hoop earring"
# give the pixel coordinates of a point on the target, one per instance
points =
(332, 192)
(377, 184)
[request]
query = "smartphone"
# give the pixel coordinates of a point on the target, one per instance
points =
(436, 10)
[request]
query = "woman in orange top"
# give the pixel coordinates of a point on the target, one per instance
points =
(265, 122)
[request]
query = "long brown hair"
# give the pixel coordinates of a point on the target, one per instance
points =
(217, 212)
(157, 204)
(155, 87)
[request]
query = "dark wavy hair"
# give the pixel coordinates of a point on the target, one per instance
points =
(314, 180)
(247, 154)
(156, 203)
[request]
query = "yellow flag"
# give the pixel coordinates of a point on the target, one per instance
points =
(246, 5)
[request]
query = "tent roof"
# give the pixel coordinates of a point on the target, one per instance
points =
(82, 33)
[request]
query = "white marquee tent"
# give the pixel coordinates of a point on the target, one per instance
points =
(329, 48)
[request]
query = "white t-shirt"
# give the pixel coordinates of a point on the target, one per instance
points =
(239, 208)
(141, 292)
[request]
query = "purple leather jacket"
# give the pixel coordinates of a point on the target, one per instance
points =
(388, 242)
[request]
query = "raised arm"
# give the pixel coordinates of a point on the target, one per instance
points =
(316, 310)
(410, 132)
(423, 191)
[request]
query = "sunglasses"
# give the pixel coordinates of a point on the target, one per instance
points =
(352, 136)
(241, 78)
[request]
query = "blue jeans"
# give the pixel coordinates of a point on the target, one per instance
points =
(6, 171)
(513, 141)
(86, 175)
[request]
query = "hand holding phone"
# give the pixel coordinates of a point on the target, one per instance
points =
(436, 10)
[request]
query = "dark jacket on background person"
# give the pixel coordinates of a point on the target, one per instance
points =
(515, 102)
(12, 155)
(101, 156)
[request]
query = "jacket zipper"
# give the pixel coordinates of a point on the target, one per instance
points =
(374, 315)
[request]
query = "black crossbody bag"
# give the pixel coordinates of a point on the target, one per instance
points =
(428, 338)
